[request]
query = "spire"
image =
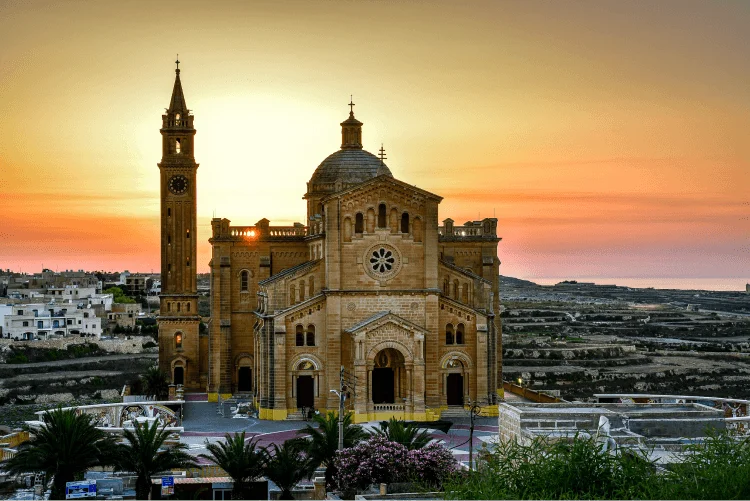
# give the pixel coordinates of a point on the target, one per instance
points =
(351, 130)
(177, 103)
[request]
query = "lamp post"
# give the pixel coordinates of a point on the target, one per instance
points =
(475, 409)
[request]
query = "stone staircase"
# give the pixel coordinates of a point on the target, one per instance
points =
(454, 411)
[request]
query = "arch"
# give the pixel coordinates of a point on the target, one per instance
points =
(302, 290)
(446, 287)
(359, 223)
(449, 336)
(179, 307)
(408, 357)
(465, 293)
(405, 223)
(292, 294)
(243, 359)
(460, 334)
(311, 284)
(370, 220)
(187, 307)
(458, 355)
(299, 335)
(317, 364)
(417, 229)
(310, 335)
(347, 229)
(381, 215)
(244, 280)
(178, 339)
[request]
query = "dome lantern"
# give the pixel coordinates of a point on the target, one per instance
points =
(351, 130)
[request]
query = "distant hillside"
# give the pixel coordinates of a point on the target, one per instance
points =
(516, 282)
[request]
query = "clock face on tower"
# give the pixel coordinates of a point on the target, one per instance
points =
(178, 184)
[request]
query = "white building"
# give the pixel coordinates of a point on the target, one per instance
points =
(50, 320)
(71, 292)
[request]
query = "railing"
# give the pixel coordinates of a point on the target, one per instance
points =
(389, 407)
(465, 231)
(272, 231)
(533, 395)
(14, 439)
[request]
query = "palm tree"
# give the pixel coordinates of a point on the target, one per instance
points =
(156, 383)
(65, 446)
(408, 435)
(324, 439)
(239, 459)
(144, 454)
(287, 465)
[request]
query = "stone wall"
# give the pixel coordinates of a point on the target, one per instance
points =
(132, 344)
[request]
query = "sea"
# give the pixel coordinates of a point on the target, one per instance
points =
(706, 284)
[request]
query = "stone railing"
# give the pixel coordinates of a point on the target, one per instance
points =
(388, 407)
(270, 231)
(243, 231)
(486, 228)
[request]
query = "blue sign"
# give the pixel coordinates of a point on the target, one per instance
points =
(84, 489)
(167, 481)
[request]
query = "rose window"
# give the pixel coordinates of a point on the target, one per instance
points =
(382, 260)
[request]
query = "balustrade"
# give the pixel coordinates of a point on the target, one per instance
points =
(389, 407)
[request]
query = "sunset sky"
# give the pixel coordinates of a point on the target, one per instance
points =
(609, 138)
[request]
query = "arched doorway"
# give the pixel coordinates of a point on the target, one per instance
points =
(388, 377)
(245, 379)
(455, 389)
(305, 382)
(179, 375)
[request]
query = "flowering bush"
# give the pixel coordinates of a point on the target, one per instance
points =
(432, 463)
(378, 460)
(374, 461)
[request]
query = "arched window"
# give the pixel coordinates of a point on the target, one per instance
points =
(179, 307)
(310, 335)
(299, 336)
(312, 287)
(455, 289)
(177, 146)
(187, 307)
(446, 287)
(292, 294)
(381, 216)
(405, 223)
(465, 293)
(178, 340)
(244, 280)
(169, 306)
(460, 334)
(359, 223)
(449, 339)
(302, 291)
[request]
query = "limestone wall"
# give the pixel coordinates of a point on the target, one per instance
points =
(132, 344)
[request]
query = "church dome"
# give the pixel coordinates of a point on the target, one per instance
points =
(350, 165)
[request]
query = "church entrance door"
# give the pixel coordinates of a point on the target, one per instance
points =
(179, 375)
(245, 379)
(382, 385)
(305, 392)
(455, 384)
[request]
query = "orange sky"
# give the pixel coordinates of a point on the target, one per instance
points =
(609, 138)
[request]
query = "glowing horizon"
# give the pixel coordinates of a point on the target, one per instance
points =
(609, 139)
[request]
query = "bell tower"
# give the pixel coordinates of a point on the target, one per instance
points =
(179, 346)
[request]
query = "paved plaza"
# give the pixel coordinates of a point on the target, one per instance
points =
(203, 424)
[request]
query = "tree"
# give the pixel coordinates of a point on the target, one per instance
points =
(287, 465)
(118, 295)
(155, 383)
(144, 454)
(65, 446)
(408, 435)
(324, 440)
(240, 460)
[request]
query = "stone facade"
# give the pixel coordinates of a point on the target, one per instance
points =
(371, 285)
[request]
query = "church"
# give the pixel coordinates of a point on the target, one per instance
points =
(371, 293)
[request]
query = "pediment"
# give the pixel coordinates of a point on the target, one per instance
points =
(383, 319)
